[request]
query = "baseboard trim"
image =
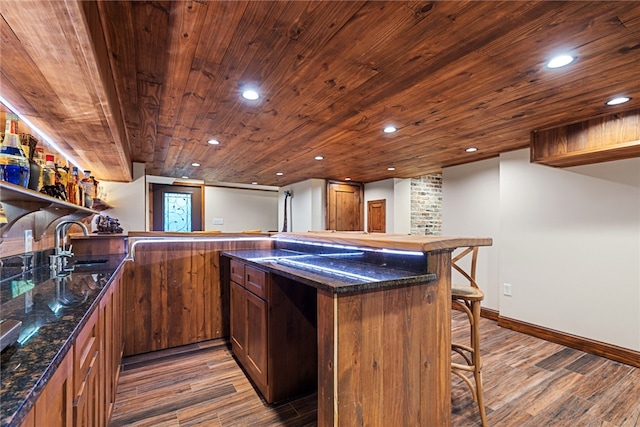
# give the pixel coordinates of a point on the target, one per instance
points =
(619, 354)
(489, 313)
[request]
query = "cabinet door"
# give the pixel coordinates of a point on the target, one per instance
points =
(105, 374)
(87, 405)
(54, 407)
(238, 309)
(256, 346)
(118, 339)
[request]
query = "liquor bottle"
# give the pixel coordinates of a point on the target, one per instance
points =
(49, 171)
(14, 164)
(89, 189)
(72, 187)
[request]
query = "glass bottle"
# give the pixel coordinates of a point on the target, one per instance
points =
(49, 171)
(14, 164)
(72, 186)
(89, 189)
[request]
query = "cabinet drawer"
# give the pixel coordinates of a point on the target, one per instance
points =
(237, 272)
(85, 349)
(255, 281)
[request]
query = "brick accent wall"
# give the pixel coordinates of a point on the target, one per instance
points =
(426, 205)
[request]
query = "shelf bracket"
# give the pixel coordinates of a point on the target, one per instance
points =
(14, 210)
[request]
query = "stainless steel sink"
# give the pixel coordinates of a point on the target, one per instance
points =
(89, 262)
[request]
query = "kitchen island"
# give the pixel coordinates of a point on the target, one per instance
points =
(383, 307)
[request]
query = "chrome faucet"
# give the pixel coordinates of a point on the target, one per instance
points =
(58, 262)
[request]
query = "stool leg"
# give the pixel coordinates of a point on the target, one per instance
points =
(477, 360)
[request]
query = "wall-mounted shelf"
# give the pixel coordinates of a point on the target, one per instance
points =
(18, 202)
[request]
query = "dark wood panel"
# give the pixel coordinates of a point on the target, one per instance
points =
(292, 332)
(99, 245)
(393, 336)
(607, 138)
(174, 295)
(331, 74)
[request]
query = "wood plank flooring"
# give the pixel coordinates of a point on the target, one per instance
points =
(528, 382)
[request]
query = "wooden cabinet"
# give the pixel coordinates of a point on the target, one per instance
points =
(273, 331)
(248, 312)
(82, 390)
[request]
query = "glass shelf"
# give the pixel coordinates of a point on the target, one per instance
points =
(18, 202)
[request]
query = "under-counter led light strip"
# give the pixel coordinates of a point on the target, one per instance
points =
(327, 270)
(40, 133)
(333, 245)
(131, 255)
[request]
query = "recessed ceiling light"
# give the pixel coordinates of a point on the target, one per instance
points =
(389, 129)
(347, 179)
(254, 183)
(195, 164)
(560, 61)
(318, 157)
(250, 94)
(618, 100)
(391, 169)
(213, 142)
(471, 149)
(279, 173)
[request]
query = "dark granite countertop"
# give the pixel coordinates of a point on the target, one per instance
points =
(52, 311)
(338, 272)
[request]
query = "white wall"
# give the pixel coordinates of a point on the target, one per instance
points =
(471, 207)
(129, 201)
(305, 208)
(402, 206)
(240, 209)
(568, 242)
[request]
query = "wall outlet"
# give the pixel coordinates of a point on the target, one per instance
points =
(218, 221)
(28, 241)
(506, 289)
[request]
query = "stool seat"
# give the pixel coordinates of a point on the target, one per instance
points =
(467, 298)
(466, 292)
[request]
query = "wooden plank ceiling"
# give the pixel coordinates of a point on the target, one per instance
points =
(122, 81)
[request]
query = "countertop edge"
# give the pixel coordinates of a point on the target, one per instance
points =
(294, 274)
(40, 384)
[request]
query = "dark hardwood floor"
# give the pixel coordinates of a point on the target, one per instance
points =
(528, 382)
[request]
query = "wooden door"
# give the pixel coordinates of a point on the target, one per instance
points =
(377, 216)
(345, 211)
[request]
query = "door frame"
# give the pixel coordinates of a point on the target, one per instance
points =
(156, 192)
(359, 186)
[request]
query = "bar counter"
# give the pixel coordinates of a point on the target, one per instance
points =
(383, 321)
(52, 312)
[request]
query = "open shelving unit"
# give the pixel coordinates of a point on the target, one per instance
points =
(18, 202)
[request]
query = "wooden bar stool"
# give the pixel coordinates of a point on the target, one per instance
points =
(467, 298)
